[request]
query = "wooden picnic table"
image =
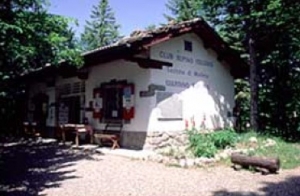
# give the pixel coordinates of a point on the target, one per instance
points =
(77, 128)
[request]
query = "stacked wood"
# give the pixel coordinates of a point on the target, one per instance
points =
(271, 164)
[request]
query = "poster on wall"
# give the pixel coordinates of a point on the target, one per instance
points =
(97, 103)
(127, 98)
(63, 114)
(128, 102)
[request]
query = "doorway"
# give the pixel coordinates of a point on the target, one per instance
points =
(113, 107)
(73, 109)
(40, 113)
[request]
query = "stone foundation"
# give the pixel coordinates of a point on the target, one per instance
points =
(152, 140)
(160, 140)
(133, 139)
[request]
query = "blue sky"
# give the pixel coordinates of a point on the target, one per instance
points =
(130, 14)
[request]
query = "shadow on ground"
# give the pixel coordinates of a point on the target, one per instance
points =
(288, 187)
(28, 167)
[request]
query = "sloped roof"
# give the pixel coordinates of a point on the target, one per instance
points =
(140, 40)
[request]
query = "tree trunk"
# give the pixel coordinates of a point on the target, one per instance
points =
(253, 85)
(271, 164)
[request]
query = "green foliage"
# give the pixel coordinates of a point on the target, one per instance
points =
(272, 26)
(287, 152)
(182, 10)
(242, 102)
(201, 145)
(102, 29)
(223, 138)
(205, 149)
(207, 145)
(30, 37)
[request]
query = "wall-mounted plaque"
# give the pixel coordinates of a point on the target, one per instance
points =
(170, 106)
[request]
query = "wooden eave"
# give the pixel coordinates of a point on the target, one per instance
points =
(211, 40)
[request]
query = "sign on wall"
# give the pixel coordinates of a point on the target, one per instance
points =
(170, 106)
(187, 70)
(128, 101)
(63, 114)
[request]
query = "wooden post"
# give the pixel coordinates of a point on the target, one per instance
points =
(77, 138)
(34, 126)
(63, 134)
(90, 132)
(26, 127)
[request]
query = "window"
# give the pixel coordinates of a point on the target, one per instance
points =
(69, 89)
(188, 46)
(71, 99)
(118, 101)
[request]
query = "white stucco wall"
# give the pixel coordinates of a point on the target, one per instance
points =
(204, 85)
(122, 70)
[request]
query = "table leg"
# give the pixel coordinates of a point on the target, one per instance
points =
(77, 139)
(91, 137)
(26, 129)
(33, 130)
(63, 135)
(115, 144)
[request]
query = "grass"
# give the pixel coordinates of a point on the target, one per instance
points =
(207, 145)
(288, 153)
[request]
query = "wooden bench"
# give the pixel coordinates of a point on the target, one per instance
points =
(111, 133)
(30, 129)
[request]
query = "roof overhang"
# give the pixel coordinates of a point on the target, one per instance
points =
(131, 48)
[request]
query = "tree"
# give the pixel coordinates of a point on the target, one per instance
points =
(102, 29)
(182, 10)
(267, 33)
(30, 38)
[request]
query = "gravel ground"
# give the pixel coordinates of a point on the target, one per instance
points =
(120, 176)
(57, 171)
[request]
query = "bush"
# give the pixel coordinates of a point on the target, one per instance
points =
(201, 145)
(205, 149)
(207, 145)
(224, 138)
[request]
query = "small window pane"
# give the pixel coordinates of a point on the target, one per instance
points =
(188, 46)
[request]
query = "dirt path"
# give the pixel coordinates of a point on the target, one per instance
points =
(53, 171)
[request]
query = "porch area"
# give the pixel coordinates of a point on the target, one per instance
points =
(111, 136)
